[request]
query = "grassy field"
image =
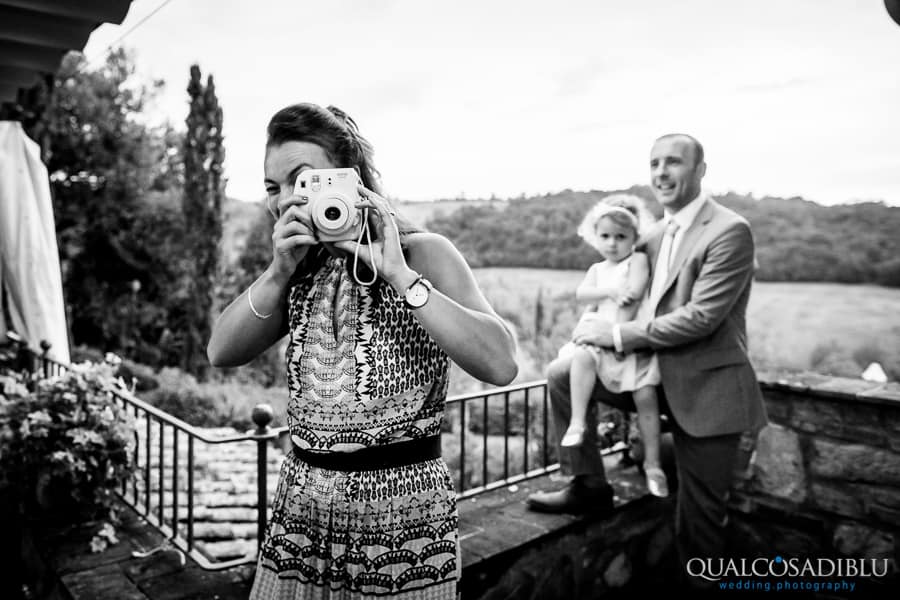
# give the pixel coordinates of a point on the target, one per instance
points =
(825, 327)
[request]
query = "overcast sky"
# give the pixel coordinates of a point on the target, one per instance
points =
(481, 97)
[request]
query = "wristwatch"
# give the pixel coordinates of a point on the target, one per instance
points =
(417, 293)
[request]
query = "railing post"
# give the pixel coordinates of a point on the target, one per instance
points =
(526, 430)
(190, 493)
(262, 416)
(544, 442)
(45, 362)
(24, 357)
(462, 446)
(484, 438)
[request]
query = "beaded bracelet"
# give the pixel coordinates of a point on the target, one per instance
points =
(253, 308)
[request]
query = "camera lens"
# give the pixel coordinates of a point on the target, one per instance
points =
(332, 213)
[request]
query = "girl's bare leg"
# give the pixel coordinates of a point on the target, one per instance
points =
(582, 378)
(648, 423)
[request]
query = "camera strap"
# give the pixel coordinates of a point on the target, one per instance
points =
(364, 232)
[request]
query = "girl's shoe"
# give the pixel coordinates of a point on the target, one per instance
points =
(657, 483)
(574, 437)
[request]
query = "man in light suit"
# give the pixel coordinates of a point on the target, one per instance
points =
(703, 258)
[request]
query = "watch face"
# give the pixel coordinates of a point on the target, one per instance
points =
(417, 294)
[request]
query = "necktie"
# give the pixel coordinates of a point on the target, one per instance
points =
(663, 262)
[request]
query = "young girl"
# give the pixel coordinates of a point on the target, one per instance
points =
(613, 290)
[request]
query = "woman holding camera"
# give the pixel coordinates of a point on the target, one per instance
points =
(364, 505)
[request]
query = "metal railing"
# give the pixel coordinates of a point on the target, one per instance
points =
(523, 431)
(151, 463)
(510, 422)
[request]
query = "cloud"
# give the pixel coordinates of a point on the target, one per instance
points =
(518, 95)
(601, 125)
(774, 86)
(580, 79)
(400, 93)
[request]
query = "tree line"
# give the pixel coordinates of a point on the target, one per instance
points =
(796, 240)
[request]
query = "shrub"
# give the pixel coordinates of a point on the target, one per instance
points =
(213, 404)
(65, 444)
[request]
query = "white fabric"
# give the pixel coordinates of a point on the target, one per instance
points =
(29, 258)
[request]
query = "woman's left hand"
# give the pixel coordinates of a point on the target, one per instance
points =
(386, 252)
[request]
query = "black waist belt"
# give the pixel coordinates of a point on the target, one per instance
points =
(372, 458)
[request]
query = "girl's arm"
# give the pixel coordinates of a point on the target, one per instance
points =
(635, 287)
(591, 290)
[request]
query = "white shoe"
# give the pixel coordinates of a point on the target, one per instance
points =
(574, 437)
(657, 484)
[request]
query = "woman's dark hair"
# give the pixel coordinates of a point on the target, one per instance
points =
(331, 129)
(337, 134)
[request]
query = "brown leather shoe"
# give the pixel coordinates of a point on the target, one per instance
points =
(575, 498)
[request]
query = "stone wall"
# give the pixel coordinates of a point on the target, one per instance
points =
(821, 481)
(824, 479)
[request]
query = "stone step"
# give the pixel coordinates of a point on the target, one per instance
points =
(228, 549)
(221, 530)
(232, 486)
(235, 514)
(217, 523)
(211, 501)
(247, 457)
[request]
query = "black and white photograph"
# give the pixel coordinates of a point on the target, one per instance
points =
(478, 300)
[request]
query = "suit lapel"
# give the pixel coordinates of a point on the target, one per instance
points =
(688, 242)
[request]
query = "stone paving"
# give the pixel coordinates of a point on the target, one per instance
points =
(225, 489)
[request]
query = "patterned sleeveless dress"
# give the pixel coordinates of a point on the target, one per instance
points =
(361, 372)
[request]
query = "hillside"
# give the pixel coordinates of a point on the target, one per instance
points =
(796, 240)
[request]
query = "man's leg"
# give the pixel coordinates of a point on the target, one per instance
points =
(705, 471)
(589, 486)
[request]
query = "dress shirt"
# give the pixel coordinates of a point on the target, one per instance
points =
(684, 218)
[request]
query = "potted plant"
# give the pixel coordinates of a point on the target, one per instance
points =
(65, 445)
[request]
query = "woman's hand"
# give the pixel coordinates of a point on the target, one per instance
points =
(291, 237)
(386, 251)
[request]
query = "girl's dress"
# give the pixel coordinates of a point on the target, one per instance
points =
(361, 372)
(636, 369)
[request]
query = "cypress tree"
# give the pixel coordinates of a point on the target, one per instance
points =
(204, 192)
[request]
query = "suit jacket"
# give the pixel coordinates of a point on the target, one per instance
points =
(699, 329)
